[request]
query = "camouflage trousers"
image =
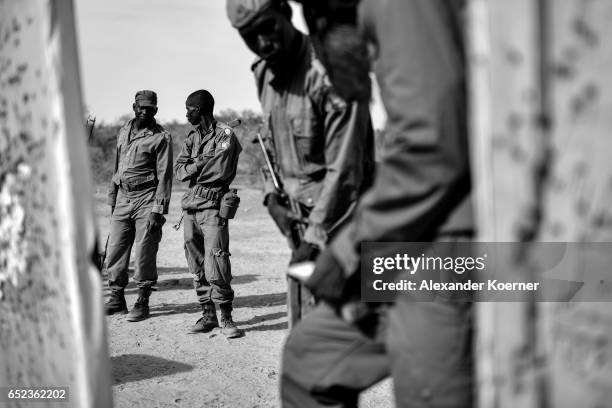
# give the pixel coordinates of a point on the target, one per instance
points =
(207, 252)
(425, 346)
(129, 229)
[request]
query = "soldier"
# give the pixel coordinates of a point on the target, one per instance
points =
(420, 193)
(208, 160)
(322, 146)
(139, 195)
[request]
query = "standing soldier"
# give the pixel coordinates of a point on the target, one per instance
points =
(139, 195)
(421, 193)
(323, 146)
(208, 160)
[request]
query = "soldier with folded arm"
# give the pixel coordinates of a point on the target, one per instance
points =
(208, 161)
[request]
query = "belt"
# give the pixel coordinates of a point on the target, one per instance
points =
(138, 187)
(207, 193)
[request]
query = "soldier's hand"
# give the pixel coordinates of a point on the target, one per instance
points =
(155, 221)
(328, 281)
(200, 163)
(305, 252)
(316, 235)
(282, 216)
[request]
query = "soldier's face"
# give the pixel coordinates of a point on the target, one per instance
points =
(144, 114)
(271, 36)
(193, 114)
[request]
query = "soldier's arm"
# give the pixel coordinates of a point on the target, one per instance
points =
(424, 172)
(185, 168)
(347, 131)
(163, 153)
(222, 165)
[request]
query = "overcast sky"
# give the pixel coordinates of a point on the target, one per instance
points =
(173, 47)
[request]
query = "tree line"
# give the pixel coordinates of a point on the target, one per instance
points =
(103, 141)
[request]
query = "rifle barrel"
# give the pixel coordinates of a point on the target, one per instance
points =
(277, 185)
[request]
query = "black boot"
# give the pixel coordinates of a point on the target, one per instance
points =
(140, 311)
(228, 327)
(208, 321)
(116, 303)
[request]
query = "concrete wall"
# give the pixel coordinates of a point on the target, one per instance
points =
(52, 330)
(542, 137)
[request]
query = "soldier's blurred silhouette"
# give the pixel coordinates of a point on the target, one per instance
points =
(421, 193)
(320, 144)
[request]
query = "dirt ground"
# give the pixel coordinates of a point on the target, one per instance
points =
(158, 363)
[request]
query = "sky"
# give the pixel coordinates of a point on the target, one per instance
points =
(172, 47)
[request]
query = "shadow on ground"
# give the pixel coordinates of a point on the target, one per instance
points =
(167, 270)
(268, 327)
(135, 367)
(270, 299)
(166, 309)
(187, 283)
(262, 318)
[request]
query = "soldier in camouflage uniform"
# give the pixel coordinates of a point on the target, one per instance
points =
(322, 145)
(139, 195)
(208, 161)
(421, 193)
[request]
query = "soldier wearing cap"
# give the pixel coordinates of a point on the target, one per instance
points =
(208, 161)
(322, 145)
(139, 195)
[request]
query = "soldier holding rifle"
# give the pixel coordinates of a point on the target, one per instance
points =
(321, 146)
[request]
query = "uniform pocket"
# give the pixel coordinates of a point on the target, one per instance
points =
(210, 217)
(221, 274)
(308, 142)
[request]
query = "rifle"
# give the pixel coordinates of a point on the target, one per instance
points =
(297, 229)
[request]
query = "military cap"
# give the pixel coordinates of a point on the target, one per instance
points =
(242, 12)
(146, 98)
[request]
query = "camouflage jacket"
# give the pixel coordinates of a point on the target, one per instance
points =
(142, 160)
(208, 161)
(422, 187)
(322, 146)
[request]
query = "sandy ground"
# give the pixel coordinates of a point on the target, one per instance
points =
(158, 363)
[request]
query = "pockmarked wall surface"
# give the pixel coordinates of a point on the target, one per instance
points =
(541, 125)
(52, 331)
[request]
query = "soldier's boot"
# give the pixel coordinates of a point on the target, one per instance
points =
(116, 303)
(208, 321)
(228, 327)
(140, 311)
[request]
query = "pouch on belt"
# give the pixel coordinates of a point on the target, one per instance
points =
(229, 204)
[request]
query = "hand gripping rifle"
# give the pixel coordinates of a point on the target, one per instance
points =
(296, 235)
